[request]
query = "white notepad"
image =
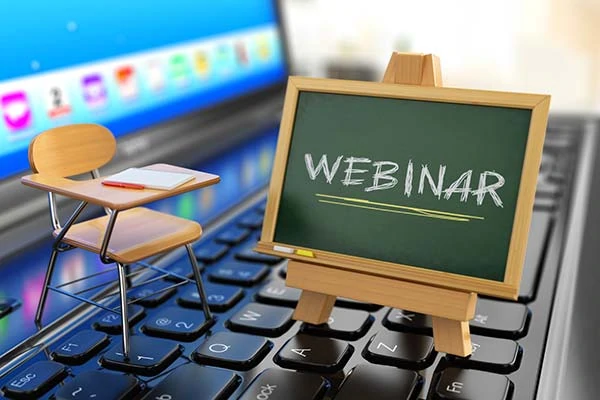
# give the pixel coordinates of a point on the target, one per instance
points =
(150, 179)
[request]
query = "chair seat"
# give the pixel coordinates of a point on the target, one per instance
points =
(139, 233)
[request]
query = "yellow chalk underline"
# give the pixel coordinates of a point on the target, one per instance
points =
(411, 210)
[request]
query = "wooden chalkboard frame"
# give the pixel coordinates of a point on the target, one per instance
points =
(509, 288)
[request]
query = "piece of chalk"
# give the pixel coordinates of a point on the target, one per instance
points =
(283, 249)
(305, 253)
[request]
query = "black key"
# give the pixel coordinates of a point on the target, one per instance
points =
(275, 292)
(191, 381)
(359, 305)
(177, 323)
(536, 246)
(342, 324)
(99, 385)
(252, 256)
(312, 353)
(153, 294)
(400, 349)
(220, 297)
(466, 384)
(500, 319)
(35, 380)
(182, 267)
(279, 384)
(251, 221)
(239, 273)
(261, 319)
(148, 356)
(111, 322)
(7, 305)
(232, 350)
(211, 252)
(408, 321)
(233, 236)
(491, 354)
(80, 347)
(381, 383)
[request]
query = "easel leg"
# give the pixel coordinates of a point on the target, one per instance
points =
(451, 336)
(314, 308)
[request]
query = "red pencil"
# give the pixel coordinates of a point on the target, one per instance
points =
(123, 185)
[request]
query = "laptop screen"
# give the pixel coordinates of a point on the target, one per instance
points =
(127, 65)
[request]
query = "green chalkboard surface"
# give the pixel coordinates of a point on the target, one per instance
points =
(431, 184)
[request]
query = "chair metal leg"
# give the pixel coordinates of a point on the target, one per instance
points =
(124, 314)
(44, 294)
(199, 285)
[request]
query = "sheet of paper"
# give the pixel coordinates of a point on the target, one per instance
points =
(150, 179)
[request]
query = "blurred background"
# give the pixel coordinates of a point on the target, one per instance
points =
(540, 46)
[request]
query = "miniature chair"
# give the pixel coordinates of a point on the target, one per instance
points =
(139, 233)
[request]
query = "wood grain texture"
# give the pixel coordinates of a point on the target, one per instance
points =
(413, 92)
(71, 150)
(314, 308)
(139, 233)
(117, 198)
(415, 297)
(452, 337)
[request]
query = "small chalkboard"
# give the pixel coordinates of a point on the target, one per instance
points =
(423, 184)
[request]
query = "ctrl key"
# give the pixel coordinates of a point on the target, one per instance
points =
(35, 380)
(463, 384)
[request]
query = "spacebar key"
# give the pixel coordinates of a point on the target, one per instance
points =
(381, 383)
(192, 381)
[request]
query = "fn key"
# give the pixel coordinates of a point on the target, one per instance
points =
(464, 384)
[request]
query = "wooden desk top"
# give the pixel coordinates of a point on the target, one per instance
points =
(115, 198)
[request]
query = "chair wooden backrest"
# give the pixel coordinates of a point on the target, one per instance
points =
(71, 150)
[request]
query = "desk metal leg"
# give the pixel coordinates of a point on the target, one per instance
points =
(44, 294)
(199, 285)
(124, 310)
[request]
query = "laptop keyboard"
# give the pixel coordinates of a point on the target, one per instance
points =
(255, 350)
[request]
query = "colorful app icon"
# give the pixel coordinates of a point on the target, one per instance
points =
(263, 48)
(201, 63)
(126, 81)
(16, 111)
(241, 53)
(156, 78)
(179, 69)
(57, 102)
(94, 91)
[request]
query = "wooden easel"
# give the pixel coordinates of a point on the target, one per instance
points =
(451, 310)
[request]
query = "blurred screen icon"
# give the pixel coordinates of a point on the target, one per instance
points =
(57, 102)
(241, 53)
(156, 78)
(201, 62)
(126, 81)
(224, 59)
(263, 48)
(16, 111)
(179, 69)
(94, 91)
